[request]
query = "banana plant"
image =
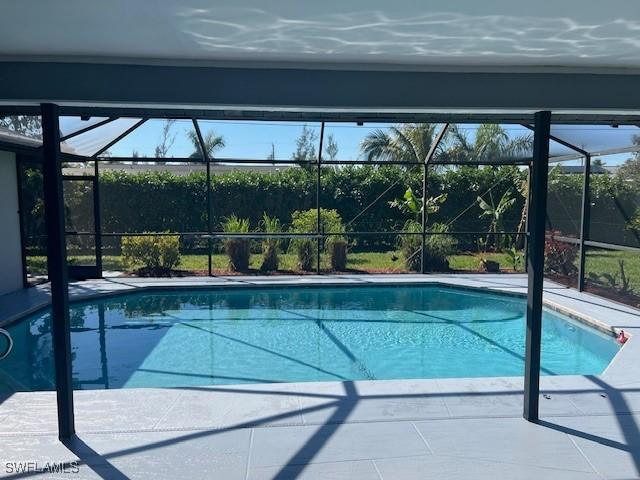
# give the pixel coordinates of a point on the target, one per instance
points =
(496, 212)
(514, 256)
(412, 203)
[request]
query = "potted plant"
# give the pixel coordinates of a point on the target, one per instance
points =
(489, 266)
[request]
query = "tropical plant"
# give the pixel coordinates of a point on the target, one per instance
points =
(270, 245)
(491, 142)
(306, 222)
(212, 143)
(439, 246)
(523, 189)
(305, 253)
(409, 143)
(338, 254)
(411, 203)
(560, 257)
(410, 245)
(514, 257)
(482, 244)
(152, 255)
(237, 248)
(496, 213)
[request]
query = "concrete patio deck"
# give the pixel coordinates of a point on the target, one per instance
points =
(395, 429)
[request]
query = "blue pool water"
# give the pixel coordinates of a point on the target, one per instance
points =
(291, 334)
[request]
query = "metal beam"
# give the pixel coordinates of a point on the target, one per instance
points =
(526, 225)
(560, 141)
(318, 212)
(585, 219)
(118, 138)
(430, 154)
(250, 113)
(205, 157)
(244, 86)
(87, 129)
(535, 267)
(262, 161)
(97, 218)
(275, 234)
(57, 269)
(213, 112)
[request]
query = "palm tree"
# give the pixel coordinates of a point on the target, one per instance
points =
(212, 143)
(523, 189)
(491, 142)
(406, 143)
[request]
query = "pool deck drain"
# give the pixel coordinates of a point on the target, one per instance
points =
(393, 429)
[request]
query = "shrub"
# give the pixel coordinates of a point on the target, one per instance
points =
(303, 248)
(306, 221)
(338, 254)
(270, 246)
(410, 245)
(437, 247)
(560, 257)
(236, 248)
(153, 255)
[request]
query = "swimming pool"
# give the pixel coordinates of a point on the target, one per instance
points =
(295, 334)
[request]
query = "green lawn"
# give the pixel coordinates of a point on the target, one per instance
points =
(599, 262)
(356, 261)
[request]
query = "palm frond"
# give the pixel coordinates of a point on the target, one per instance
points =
(520, 145)
(378, 145)
(405, 147)
(457, 146)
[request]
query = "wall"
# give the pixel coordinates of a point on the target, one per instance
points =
(10, 252)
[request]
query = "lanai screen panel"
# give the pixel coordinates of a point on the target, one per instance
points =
(88, 143)
(597, 139)
(73, 124)
(245, 140)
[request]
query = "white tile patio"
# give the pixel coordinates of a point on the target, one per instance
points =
(396, 429)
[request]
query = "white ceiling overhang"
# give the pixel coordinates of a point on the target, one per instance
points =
(504, 55)
(587, 35)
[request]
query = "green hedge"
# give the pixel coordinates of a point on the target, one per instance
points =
(162, 201)
(167, 202)
(614, 202)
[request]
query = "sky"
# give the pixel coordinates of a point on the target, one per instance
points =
(256, 140)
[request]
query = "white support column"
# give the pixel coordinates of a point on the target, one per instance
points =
(10, 248)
